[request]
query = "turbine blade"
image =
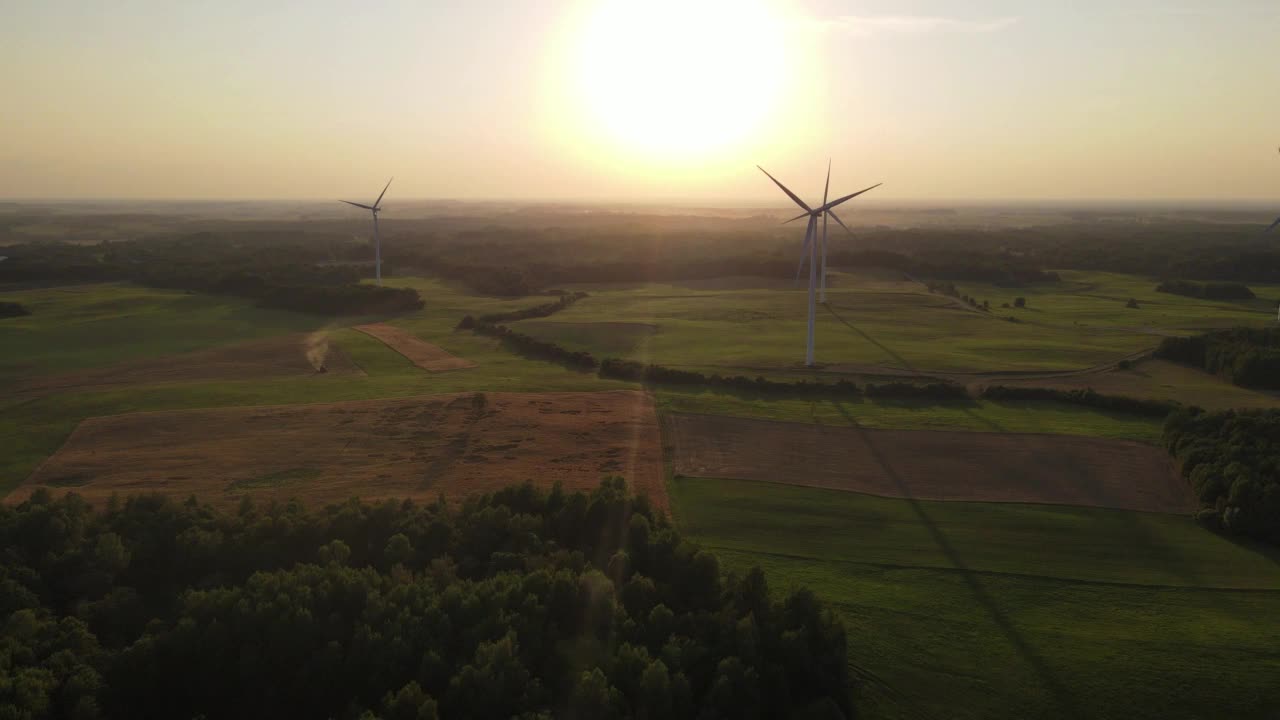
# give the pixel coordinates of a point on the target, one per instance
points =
(846, 227)
(366, 207)
(384, 192)
(826, 189)
(801, 215)
(1271, 227)
(790, 194)
(834, 203)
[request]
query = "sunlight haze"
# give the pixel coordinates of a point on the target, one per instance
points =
(610, 99)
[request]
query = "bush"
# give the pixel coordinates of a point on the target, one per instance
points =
(1133, 303)
(1232, 460)
(12, 309)
(1020, 302)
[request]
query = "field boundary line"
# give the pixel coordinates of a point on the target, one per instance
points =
(1000, 573)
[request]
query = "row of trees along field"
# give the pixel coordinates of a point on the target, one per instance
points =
(1248, 357)
(525, 603)
(1207, 290)
(305, 273)
(1232, 460)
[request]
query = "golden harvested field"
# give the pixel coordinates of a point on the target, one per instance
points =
(418, 447)
(425, 355)
(932, 465)
(286, 355)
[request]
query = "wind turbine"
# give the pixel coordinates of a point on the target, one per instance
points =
(810, 243)
(825, 190)
(375, 208)
(1271, 227)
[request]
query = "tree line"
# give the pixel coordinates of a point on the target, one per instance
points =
(523, 603)
(1207, 290)
(537, 311)
(1249, 357)
(1232, 460)
(1082, 396)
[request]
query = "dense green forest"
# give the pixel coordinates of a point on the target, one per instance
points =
(1232, 460)
(1246, 356)
(523, 603)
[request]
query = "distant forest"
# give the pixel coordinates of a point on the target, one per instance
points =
(290, 271)
(525, 603)
(1208, 259)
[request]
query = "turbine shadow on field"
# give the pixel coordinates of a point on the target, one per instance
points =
(1034, 660)
(884, 348)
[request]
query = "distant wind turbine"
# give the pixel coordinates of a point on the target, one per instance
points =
(375, 208)
(810, 244)
(1271, 227)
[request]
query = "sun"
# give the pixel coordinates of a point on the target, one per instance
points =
(679, 77)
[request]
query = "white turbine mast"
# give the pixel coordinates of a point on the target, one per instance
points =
(375, 208)
(810, 245)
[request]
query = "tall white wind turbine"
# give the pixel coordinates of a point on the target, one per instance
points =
(811, 243)
(375, 208)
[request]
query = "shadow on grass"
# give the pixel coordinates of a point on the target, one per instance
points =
(1032, 657)
(884, 348)
(1270, 552)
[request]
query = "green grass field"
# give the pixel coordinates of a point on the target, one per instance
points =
(98, 325)
(759, 327)
(95, 325)
(981, 610)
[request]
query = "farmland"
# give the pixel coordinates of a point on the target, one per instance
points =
(417, 448)
(1033, 605)
(937, 465)
(974, 610)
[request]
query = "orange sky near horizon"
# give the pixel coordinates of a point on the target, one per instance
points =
(645, 100)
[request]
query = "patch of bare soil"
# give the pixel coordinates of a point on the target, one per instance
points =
(932, 465)
(425, 355)
(297, 354)
(418, 447)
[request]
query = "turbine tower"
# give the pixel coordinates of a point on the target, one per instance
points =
(375, 208)
(811, 242)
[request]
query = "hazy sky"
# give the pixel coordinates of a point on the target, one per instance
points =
(643, 100)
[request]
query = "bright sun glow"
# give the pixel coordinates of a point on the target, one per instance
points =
(680, 77)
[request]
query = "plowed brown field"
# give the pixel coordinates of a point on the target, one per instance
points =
(425, 355)
(419, 447)
(932, 465)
